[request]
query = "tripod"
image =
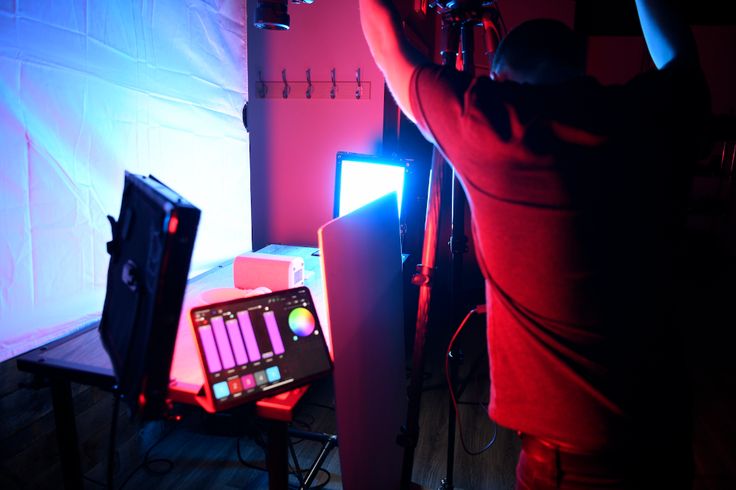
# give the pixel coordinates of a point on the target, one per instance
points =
(458, 24)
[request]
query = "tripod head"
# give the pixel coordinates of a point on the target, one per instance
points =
(443, 6)
(460, 17)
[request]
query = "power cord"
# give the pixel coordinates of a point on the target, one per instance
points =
(150, 464)
(481, 309)
(321, 405)
(110, 470)
(296, 472)
(303, 424)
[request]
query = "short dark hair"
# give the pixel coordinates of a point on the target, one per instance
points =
(542, 51)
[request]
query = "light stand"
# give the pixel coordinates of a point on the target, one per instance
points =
(457, 22)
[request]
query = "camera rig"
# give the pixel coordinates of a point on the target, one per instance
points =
(459, 20)
(465, 15)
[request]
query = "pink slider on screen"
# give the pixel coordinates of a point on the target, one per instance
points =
(273, 332)
(236, 341)
(210, 349)
(246, 328)
(223, 344)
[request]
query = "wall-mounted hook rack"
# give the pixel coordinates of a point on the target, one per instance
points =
(359, 88)
(261, 86)
(332, 88)
(308, 93)
(287, 89)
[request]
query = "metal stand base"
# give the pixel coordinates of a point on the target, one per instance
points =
(329, 442)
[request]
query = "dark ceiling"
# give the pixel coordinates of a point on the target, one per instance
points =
(616, 18)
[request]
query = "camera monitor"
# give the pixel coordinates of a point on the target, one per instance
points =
(361, 179)
(150, 253)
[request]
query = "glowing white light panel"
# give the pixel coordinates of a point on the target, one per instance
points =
(362, 182)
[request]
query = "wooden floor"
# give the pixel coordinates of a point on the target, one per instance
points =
(201, 451)
(711, 338)
(204, 451)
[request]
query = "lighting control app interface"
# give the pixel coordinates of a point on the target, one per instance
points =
(259, 346)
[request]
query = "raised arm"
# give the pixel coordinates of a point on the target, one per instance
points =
(393, 53)
(667, 36)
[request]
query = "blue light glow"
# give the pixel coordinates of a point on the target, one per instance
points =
(364, 182)
(89, 90)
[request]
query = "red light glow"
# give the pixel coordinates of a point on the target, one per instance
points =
(173, 224)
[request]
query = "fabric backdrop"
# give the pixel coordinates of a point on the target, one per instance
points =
(89, 89)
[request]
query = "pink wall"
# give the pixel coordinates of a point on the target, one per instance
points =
(294, 141)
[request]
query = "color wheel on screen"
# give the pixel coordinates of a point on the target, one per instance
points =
(301, 322)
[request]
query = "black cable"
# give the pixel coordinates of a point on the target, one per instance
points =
(298, 470)
(302, 424)
(147, 463)
(328, 477)
(93, 481)
(306, 424)
(248, 464)
(321, 405)
(242, 460)
(479, 309)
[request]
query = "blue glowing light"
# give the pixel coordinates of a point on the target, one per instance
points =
(362, 182)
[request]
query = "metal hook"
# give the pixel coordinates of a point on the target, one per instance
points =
(262, 88)
(287, 89)
(358, 90)
(309, 83)
(333, 90)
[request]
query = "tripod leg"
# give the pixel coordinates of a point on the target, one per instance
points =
(429, 252)
(410, 435)
(448, 482)
(458, 247)
(277, 455)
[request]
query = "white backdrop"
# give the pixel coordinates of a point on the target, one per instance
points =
(88, 89)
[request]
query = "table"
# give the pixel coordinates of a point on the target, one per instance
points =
(81, 358)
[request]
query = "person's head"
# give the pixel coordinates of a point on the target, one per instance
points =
(540, 51)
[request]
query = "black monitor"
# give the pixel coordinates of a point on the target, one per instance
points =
(150, 253)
